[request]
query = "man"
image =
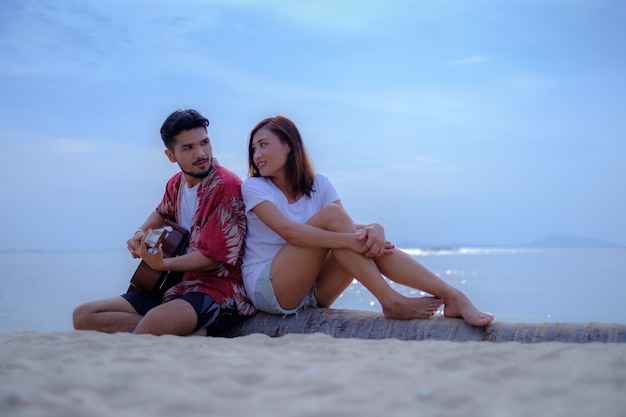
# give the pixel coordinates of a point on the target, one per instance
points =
(205, 198)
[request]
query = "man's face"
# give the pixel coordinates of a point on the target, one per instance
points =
(192, 151)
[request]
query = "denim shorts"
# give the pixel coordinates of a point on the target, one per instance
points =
(266, 300)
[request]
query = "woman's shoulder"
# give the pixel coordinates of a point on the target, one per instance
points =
(256, 184)
(321, 179)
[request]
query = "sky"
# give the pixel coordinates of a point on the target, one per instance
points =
(484, 123)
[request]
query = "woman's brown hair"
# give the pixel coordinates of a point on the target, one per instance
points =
(298, 169)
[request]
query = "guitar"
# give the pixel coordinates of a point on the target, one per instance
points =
(172, 238)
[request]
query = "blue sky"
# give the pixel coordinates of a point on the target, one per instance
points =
(449, 122)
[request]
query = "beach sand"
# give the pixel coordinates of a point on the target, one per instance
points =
(93, 374)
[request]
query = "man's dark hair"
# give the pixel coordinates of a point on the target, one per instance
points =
(179, 121)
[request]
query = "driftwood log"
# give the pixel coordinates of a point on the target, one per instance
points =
(370, 325)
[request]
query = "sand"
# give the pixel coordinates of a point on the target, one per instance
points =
(94, 374)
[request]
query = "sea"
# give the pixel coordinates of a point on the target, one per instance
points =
(41, 289)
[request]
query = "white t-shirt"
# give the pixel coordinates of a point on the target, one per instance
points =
(188, 205)
(262, 243)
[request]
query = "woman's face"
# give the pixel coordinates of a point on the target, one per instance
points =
(269, 153)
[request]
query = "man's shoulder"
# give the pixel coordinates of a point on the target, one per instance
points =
(175, 179)
(228, 176)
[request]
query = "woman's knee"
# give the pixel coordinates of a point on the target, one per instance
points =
(336, 218)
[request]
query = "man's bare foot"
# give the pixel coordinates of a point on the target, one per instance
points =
(412, 308)
(460, 306)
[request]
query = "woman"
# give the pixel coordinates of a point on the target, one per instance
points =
(302, 249)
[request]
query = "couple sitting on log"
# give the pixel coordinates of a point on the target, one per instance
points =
(279, 243)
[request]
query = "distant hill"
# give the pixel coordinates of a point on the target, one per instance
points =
(571, 242)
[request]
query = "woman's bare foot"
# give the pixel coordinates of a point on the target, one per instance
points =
(408, 308)
(459, 305)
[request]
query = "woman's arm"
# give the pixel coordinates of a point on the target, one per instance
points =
(304, 235)
(373, 236)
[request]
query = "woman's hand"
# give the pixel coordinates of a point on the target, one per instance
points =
(375, 244)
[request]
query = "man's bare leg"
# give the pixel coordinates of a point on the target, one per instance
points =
(109, 315)
(176, 317)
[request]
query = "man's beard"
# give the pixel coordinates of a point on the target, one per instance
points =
(199, 175)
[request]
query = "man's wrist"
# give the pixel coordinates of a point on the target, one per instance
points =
(167, 264)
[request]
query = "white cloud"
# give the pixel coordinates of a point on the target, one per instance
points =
(99, 37)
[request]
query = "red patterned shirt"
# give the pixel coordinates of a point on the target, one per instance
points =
(218, 228)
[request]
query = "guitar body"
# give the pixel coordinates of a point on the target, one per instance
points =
(172, 238)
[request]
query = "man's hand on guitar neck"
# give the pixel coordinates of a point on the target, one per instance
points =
(153, 221)
(154, 258)
(134, 243)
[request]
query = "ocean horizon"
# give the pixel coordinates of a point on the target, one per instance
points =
(516, 284)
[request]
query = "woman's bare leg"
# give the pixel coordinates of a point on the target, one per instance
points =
(295, 269)
(404, 269)
(332, 280)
